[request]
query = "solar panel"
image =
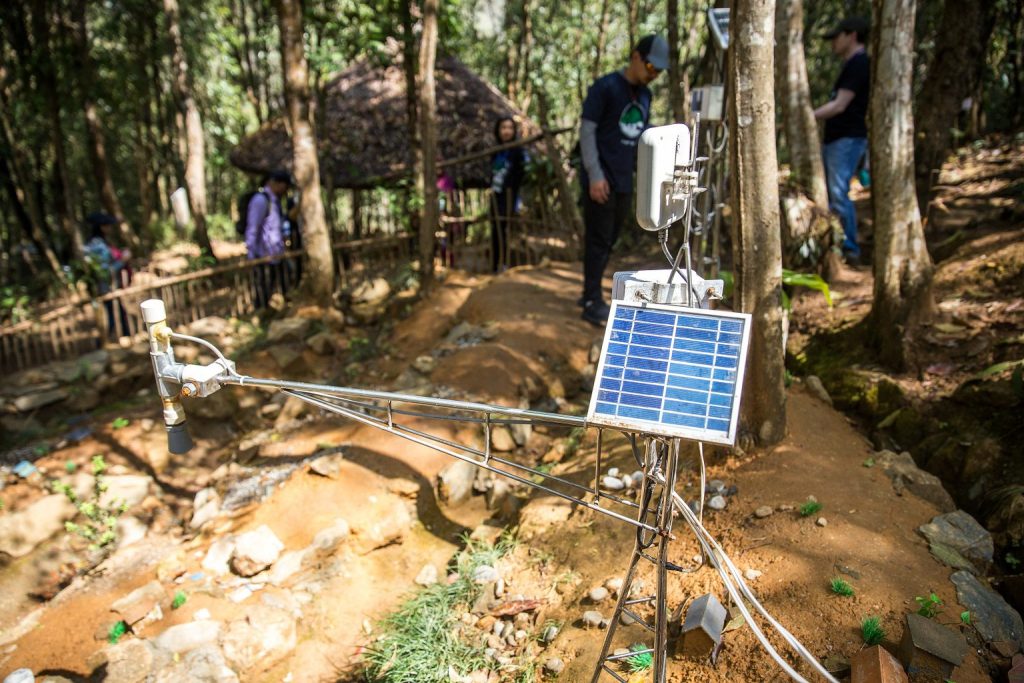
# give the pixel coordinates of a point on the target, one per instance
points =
(671, 371)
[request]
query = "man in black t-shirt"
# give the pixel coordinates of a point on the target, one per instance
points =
(615, 113)
(846, 132)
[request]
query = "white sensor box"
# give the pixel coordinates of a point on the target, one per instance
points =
(661, 150)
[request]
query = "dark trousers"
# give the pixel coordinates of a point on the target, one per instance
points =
(603, 224)
(503, 206)
(266, 281)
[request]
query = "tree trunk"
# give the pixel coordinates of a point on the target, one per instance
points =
(318, 277)
(634, 21)
(795, 95)
(97, 146)
(195, 155)
(428, 135)
(902, 267)
(602, 31)
(65, 196)
(757, 247)
(953, 75)
(676, 103)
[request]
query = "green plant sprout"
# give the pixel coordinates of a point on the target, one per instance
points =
(870, 462)
(70, 466)
(117, 630)
(809, 508)
(841, 587)
(871, 630)
(1012, 560)
(120, 423)
(100, 527)
(929, 606)
(639, 662)
(965, 618)
(179, 599)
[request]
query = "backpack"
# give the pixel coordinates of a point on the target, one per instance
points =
(243, 211)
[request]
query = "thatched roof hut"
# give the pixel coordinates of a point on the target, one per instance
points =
(364, 142)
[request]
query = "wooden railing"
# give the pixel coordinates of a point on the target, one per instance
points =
(80, 326)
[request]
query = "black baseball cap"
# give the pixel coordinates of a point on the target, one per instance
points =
(654, 49)
(100, 218)
(281, 176)
(858, 25)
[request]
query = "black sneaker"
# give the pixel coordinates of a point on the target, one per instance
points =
(596, 312)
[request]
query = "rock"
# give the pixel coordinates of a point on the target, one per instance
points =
(326, 540)
(612, 483)
(614, 584)
(286, 566)
(218, 406)
(821, 521)
(549, 634)
(554, 666)
(717, 503)
(240, 594)
(371, 291)
(961, 533)
(172, 566)
(817, 389)
(206, 506)
(427, 575)
(201, 665)
(716, 486)
(22, 531)
(485, 574)
(265, 636)
(455, 481)
(288, 330)
(763, 511)
(593, 619)
(322, 343)
(993, 618)
(20, 676)
(188, 636)
(133, 607)
(498, 494)
(906, 474)
(217, 557)
(751, 574)
(28, 402)
(424, 364)
(289, 359)
(210, 326)
(598, 594)
(130, 661)
(501, 439)
(83, 398)
(543, 514)
(255, 551)
(131, 489)
(388, 524)
(327, 465)
(876, 665)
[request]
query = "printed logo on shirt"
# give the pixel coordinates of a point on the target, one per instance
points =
(631, 121)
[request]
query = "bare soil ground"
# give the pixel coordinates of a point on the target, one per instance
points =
(536, 354)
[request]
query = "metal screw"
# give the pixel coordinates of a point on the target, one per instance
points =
(189, 389)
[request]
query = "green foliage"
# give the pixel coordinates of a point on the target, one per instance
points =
(120, 423)
(639, 662)
(808, 280)
(841, 587)
(70, 466)
(871, 630)
(572, 442)
(179, 599)
(115, 632)
(1011, 560)
(928, 606)
(361, 349)
(100, 525)
(419, 641)
(809, 508)
(869, 463)
(965, 617)
(14, 303)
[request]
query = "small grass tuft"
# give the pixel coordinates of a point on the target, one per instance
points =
(929, 606)
(965, 618)
(871, 630)
(841, 587)
(809, 508)
(419, 641)
(179, 599)
(115, 632)
(639, 662)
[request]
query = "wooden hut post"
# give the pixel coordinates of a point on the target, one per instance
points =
(570, 212)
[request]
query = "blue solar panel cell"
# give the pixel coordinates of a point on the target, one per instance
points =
(672, 371)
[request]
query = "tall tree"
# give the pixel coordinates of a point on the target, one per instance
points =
(195, 144)
(97, 140)
(954, 74)
(757, 245)
(318, 278)
(795, 97)
(902, 267)
(428, 137)
(676, 103)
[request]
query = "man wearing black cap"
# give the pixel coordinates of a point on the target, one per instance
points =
(615, 113)
(846, 132)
